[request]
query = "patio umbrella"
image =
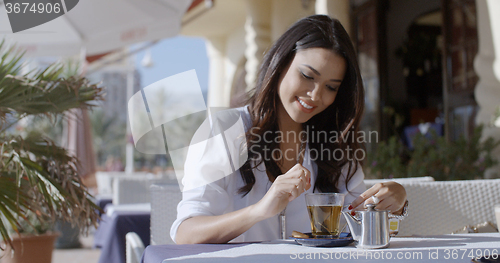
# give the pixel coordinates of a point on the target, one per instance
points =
(99, 26)
(93, 27)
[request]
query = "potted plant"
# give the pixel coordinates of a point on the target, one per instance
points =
(34, 241)
(462, 159)
(39, 181)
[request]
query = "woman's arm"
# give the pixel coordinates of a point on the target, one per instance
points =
(223, 228)
(216, 229)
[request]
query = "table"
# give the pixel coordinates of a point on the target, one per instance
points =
(442, 248)
(102, 202)
(110, 235)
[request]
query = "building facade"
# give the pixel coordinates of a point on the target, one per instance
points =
(430, 60)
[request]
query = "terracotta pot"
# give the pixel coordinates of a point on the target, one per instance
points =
(30, 248)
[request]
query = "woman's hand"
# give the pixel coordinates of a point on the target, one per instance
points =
(285, 188)
(391, 196)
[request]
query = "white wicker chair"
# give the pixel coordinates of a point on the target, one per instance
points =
(164, 200)
(131, 190)
(142, 207)
(105, 180)
(444, 207)
(434, 207)
(135, 189)
(371, 182)
(134, 248)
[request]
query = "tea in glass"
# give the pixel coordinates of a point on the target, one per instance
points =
(325, 220)
(324, 212)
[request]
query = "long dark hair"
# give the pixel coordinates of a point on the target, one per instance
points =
(317, 31)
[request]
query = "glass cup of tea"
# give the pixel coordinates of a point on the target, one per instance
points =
(324, 212)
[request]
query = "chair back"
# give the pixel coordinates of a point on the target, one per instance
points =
(105, 180)
(371, 182)
(134, 248)
(136, 189)
(164, 201)
(444, 207)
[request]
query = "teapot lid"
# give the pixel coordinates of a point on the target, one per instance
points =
(370, 207)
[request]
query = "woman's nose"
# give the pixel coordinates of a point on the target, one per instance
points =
(315, 93)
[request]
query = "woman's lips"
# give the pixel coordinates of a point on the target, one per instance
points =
(302, 106)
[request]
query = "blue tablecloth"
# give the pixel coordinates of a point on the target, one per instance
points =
(102, 202)
(110, 235)
(417, 249)
(158, 253)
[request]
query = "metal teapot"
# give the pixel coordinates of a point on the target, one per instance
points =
(372, 230)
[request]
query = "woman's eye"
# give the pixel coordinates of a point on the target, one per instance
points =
(305, 76)
(331, 88)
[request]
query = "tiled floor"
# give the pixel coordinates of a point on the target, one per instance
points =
(86, 254)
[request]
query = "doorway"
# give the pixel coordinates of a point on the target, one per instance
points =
(421, 55)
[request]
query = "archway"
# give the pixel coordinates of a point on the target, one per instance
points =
(421, 54)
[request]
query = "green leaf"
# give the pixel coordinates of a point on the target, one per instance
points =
(37, 178)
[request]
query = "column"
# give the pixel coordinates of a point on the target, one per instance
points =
(487, 67)
(257, 37)
(339, 9)
(218, 96)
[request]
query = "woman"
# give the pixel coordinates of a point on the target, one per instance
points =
(308, 86)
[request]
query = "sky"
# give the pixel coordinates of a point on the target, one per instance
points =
(175, 55)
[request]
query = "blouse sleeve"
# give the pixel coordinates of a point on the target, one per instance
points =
(204, 183)
(355, 186)
(207, 200)
(208, 169)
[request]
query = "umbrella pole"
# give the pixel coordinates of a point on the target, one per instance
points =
(129, 159)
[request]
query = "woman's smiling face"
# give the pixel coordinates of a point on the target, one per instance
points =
(310, 84)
